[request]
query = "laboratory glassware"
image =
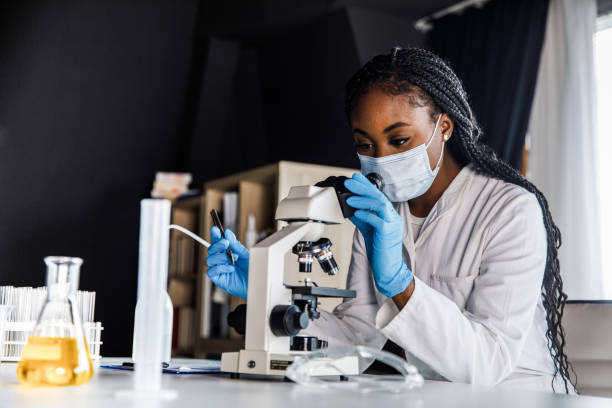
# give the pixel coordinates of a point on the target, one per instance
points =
(167, 327)
(148, 350)
(27, 302)
(168, 309)
(56, 353)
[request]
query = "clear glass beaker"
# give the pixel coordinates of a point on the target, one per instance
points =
(56, 352)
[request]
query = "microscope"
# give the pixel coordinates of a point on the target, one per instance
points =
(277, 312)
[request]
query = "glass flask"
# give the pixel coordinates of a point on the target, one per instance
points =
(56, 353)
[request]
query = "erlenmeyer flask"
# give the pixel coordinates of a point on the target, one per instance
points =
(56, 353)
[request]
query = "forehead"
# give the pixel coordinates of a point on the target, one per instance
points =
(377, 109)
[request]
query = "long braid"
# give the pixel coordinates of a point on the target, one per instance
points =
(428, 81)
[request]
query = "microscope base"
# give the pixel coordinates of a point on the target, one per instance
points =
(264, 363)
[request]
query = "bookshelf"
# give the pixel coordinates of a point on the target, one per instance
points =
(182, 275)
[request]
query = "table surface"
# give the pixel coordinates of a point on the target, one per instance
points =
(218, 390)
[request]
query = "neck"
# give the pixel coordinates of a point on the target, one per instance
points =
(422, 205)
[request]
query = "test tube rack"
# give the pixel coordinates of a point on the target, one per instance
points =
(17, 334)
(27, 304)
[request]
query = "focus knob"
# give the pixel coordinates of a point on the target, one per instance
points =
(287, 320)
(237, 319)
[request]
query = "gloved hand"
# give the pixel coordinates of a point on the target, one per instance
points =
(383, 232)
(231, 278)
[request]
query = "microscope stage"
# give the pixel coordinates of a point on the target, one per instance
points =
(319, 291)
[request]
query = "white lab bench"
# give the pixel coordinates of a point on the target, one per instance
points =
(219, 390)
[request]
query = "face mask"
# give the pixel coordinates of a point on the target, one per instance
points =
(408, 174)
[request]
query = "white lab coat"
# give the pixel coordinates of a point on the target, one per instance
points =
(476, 314)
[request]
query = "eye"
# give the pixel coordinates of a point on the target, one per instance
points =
(398, 142)
(363, 146)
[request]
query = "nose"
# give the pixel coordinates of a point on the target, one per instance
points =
(384, 150)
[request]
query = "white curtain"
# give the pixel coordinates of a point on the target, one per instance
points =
(562, 132)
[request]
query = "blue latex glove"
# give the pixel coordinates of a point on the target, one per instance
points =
(383, 232)
(231, 278)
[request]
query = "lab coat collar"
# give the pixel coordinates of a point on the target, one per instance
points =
(450, 196)
(447, 200)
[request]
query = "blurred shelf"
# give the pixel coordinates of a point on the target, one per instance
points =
(207, 346)
(182, 276)
(183, 352)
(188, 278)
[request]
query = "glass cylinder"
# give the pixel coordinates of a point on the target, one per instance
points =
(56, 353)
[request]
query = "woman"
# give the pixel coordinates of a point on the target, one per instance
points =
(457, 261)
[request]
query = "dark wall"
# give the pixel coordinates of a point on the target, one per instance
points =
(372, 39)
(275, 95)
(303, 73)
(91, 99)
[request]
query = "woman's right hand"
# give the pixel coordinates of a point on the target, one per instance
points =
(231, 278)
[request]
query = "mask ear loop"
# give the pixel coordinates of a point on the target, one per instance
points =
(434, 131)
(431, 140)
(441, 154)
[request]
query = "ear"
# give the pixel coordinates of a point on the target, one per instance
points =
(446, 127)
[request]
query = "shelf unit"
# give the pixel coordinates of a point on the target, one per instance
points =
(259, 191)
(183, 275)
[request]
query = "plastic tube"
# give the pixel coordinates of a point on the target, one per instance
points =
(190, 234)
(168, 310)
(152, 281)
(167, 328)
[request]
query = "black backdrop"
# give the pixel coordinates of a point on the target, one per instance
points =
(91, 98)
(495, 50)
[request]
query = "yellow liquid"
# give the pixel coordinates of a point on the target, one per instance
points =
(52, 361)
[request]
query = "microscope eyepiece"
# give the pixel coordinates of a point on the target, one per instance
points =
(377, 180)
(343, 193)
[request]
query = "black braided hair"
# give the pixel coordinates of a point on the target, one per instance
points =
(428, 81)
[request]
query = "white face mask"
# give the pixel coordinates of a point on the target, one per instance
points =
(408, 174)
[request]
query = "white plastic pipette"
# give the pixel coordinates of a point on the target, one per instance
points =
(190, 234)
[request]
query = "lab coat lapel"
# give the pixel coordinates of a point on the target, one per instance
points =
(448, 200)
(450, 197)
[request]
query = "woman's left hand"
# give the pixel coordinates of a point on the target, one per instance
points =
(383, 232)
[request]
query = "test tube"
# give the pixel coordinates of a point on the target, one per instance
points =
(5, 311)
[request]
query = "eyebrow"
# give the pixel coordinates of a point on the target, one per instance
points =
(361, 132)
(386, 130)
(395, 126)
